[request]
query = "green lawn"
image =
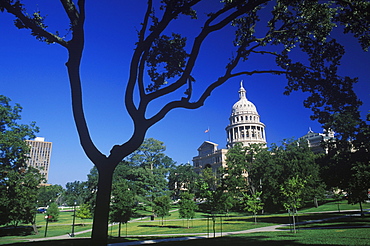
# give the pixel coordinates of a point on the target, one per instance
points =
(333, 232)
(353, 237)
(336, 206)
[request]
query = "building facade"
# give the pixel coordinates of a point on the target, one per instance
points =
(245, 127)
(209, 156)
(39, 156)
(315, 139)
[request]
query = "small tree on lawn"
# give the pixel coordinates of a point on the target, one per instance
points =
(292, 189)
(53, 212)
(122, 204)
(359, 184)
(84, 212)
(253, 203)
(187, 206)
(162, 205)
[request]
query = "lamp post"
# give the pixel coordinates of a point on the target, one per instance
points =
(47, 217)
(73, 221)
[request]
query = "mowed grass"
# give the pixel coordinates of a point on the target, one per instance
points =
(353, 237)
(55, 228)
(196, 226)
(342, 231)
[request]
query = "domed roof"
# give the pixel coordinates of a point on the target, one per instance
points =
(243, 105)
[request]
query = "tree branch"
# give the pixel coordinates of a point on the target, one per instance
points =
(30, 23)
(207, 29)
(75, 48)
(71, 11)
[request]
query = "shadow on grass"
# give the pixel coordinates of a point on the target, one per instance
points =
(238, 241)
(235, 241)
(16, 231)
(160, 226)
(335, 226)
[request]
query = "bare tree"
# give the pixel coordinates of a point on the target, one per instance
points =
(170, 61)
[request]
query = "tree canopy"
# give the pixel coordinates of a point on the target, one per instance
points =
(273, 167)
(13, 148)
(18, 183)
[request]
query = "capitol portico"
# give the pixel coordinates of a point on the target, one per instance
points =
(245, 127)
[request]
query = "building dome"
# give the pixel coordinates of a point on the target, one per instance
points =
(245, 126)
(244, 106)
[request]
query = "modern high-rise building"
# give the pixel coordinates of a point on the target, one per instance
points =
(245, 127)
(39, 156)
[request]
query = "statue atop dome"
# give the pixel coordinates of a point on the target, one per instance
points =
(242, 91)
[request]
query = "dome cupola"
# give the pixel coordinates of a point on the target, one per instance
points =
(243, 105)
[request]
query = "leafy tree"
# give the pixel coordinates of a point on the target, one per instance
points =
(84, 212)
(292, 189)
(162, 206)
(13, 148)
(253, 203)
(359, 184)
(182, 178)
(346, 166)
(271, 168)
(53, 212)
(18, 183)
(18, 196)
(187, 206)
(49, 194)
(291, 28)
(91, 187)
(75, 192)
(220, 202)
(210, 178)
(147, 170)
(235, 172)
(122, 203)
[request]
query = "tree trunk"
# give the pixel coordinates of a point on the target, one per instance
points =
(362, 210)
(294, 223)
(99, 235)
(119, 229)
(35, 228)
(255, 218)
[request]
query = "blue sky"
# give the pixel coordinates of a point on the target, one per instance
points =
(34, 75)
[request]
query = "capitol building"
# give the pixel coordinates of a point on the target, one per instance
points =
(244, 127)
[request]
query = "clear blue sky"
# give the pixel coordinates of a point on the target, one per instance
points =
(34, 75)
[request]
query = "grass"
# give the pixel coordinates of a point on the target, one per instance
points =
(341, 231)
(203, 225)
(353, 237)
(333, 205)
